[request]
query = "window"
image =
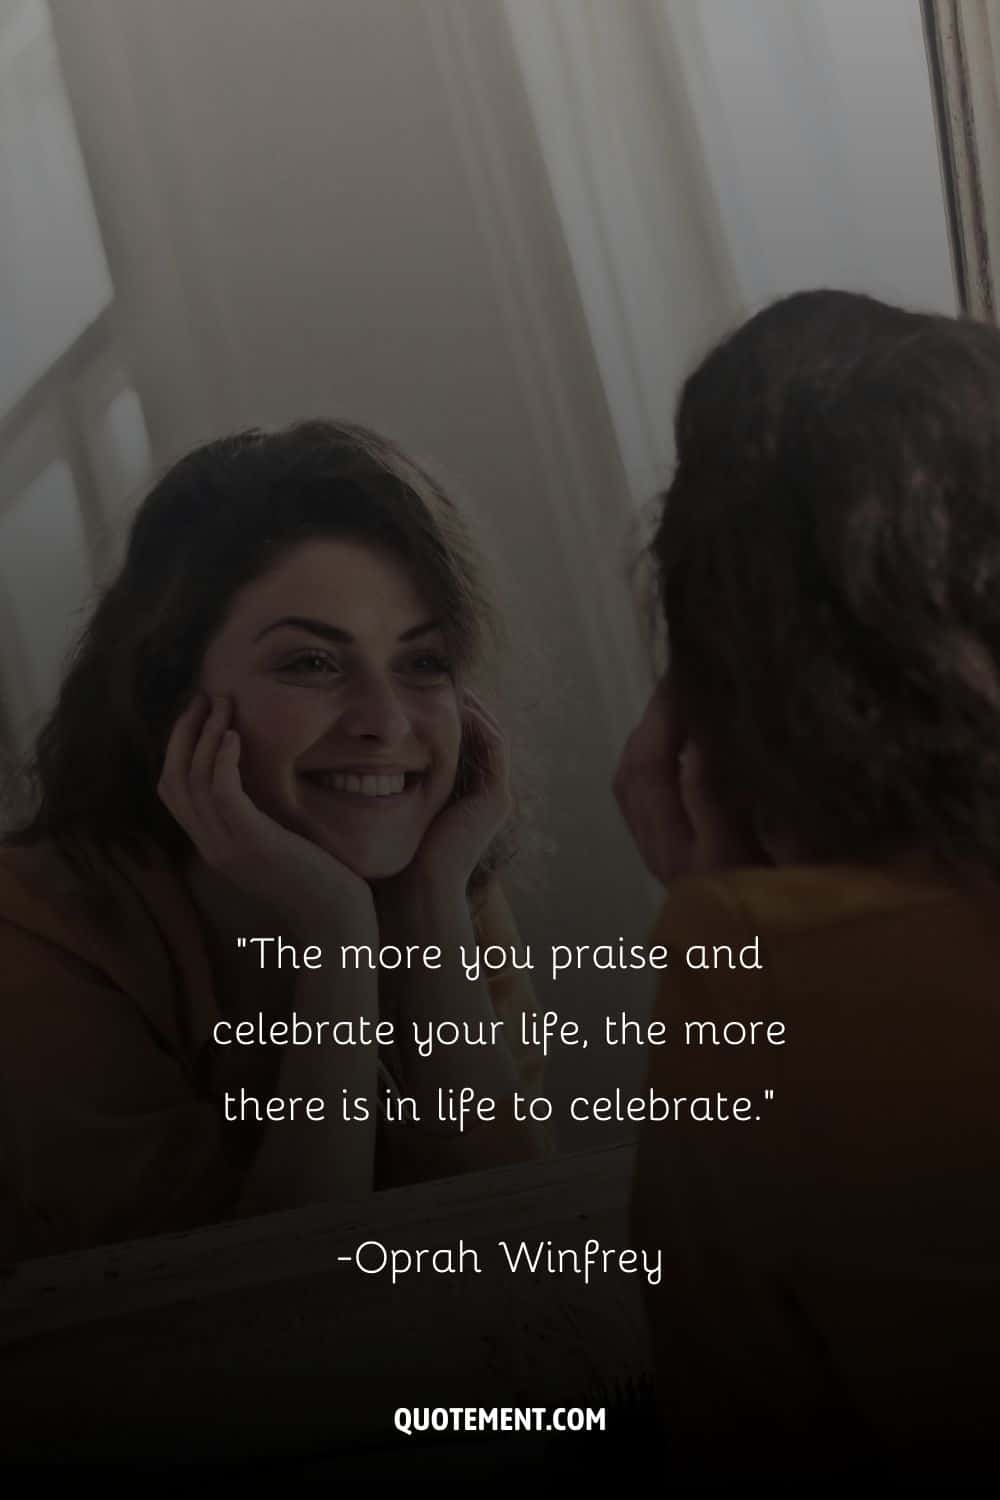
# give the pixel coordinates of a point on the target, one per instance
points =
(73, 443)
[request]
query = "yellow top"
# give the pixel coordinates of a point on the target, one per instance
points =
(831, 1283)
(110, 1087)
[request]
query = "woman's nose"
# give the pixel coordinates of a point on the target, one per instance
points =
(374, 711)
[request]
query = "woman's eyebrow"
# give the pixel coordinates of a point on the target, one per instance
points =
(314, 627)
(334, 632)
(416, 631)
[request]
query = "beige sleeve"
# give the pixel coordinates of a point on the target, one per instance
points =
(511, 989)
(104, 1136)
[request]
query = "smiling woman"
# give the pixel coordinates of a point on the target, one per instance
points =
(347, 709)
(266, 729)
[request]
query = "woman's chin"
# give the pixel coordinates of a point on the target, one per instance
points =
(370, 864)
(369, 858)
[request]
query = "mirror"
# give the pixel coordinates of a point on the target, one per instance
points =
(499, 234)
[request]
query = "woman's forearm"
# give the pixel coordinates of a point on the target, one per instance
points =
(302, 1160)
(420, 998)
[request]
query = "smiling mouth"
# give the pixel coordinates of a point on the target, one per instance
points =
(370, 786)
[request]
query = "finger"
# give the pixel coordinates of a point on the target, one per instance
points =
(485, 782)
(629, 763)
(476, 704)
(487, 726)
(646, 761)
(672, 722)
(474, 759)
(172, 787)
(234, 808)
(716, 844)
(660, 733)
(651, 803)
(234, 824)
(202, 766)
(486, 747)
(182, 740)
(207, 747)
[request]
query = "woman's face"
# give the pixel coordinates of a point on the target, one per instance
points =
(345, 701)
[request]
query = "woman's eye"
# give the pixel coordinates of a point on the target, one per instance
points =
(429, 665)
(310, 664)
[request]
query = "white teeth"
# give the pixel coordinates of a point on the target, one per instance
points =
(367, 785)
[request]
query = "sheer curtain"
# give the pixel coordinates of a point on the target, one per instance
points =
(963, 42)
(707, 158)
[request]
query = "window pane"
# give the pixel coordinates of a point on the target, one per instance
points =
(121, 452)
(45, 580)
(54, 278)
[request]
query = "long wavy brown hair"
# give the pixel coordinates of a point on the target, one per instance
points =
(218, 519)
(829, 567)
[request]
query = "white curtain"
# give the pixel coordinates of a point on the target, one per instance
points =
(963, 41)
(708, 157)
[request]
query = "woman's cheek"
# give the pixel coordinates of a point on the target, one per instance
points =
(269, 743)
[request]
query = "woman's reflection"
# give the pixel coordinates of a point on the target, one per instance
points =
(266, 730)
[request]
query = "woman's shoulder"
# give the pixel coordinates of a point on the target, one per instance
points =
(49, 883)
(125, 918)
(853, 957)
(806, 899)
(44, 894)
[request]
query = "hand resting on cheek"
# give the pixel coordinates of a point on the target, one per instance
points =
(662, 790)
(201, 786)
(482, 802)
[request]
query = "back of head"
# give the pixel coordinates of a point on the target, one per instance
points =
(829, 562)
